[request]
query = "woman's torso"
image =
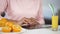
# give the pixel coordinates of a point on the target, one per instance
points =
(23, 8)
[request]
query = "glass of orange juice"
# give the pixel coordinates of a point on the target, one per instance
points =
(54, 22)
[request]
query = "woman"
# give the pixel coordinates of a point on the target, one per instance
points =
(17, 9)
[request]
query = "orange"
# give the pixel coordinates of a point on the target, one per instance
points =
(1, 24)
(10, 24)
(16, 28)
(6, 29)
(3, 21)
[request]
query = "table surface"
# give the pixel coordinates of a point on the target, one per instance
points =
(44, 30)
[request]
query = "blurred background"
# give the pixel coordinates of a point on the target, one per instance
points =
(47, 12)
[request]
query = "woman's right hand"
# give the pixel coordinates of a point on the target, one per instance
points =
(28, 22)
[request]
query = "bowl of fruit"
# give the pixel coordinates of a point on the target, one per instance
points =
(8, 27)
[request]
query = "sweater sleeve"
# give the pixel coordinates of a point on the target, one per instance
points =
(40, 17)
(3, 5)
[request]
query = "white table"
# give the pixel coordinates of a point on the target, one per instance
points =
(39, 31)
(42, 31)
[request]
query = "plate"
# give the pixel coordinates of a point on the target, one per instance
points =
(23, 30)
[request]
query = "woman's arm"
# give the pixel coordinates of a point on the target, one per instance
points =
(40, 16)
(3, 6)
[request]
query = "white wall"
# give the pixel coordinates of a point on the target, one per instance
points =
(46, 10)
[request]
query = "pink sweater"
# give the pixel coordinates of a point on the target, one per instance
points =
(17, 9)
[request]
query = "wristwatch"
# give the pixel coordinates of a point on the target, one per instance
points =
(3, 14)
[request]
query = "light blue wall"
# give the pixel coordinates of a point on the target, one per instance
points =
(46, 10)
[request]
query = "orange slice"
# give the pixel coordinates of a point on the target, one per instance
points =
(16, 28)
(6, 29)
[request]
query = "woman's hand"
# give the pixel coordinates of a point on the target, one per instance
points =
(28, 22)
